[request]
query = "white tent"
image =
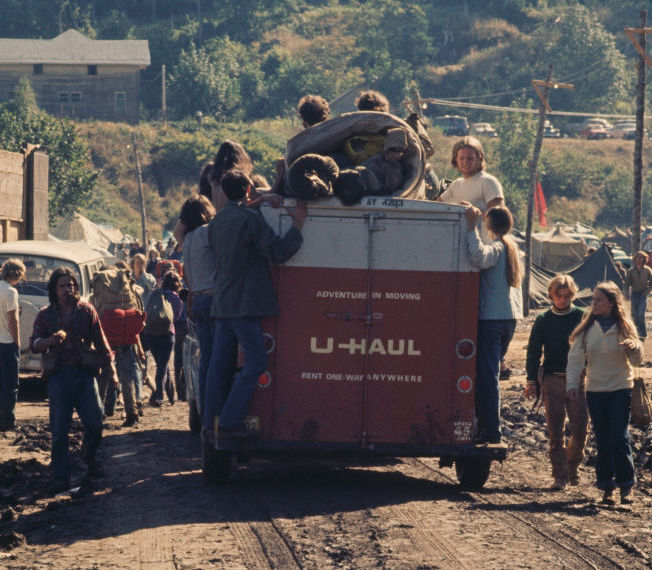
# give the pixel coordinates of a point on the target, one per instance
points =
(75, 227)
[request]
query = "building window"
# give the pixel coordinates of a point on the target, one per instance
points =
(64, 97)
(75, 97)
(120, 100)
(92, 70)
(38, 69)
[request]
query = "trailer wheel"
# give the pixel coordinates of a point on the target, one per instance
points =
(472, 472)
(216, 464)
(194, 421)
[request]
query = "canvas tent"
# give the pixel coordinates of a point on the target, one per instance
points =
(556, 250)
(597, 267)
(75, 227)
(621, 238)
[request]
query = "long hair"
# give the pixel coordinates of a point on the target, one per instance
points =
(171, 281)
(626, 327)
(475, 145)
(57, 274)
(500, 222)
(196, 211)
(230, 155)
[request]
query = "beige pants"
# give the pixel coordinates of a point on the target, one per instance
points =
(564, 456)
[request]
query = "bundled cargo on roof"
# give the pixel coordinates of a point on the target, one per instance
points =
(362, 154)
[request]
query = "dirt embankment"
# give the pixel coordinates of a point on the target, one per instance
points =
(152, 510)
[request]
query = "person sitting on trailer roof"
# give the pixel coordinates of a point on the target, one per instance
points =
(476, 186)
(243, 245)
(312, 110)
(371, 100)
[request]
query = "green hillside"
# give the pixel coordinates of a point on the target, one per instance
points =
(244, 65)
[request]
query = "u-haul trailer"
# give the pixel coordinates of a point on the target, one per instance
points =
(373, 351)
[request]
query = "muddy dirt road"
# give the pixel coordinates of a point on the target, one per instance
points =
(152, 510)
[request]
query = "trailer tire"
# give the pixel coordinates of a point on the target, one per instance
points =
(194, 421)
(472, 472)
(216, 464)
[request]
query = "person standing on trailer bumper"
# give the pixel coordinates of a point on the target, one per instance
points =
(243, 245)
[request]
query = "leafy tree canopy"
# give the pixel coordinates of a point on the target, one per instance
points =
(71, 180)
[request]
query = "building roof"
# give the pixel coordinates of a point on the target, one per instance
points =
(71, 47)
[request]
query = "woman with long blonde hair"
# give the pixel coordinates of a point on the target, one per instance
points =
(500, 304)
(607, 342)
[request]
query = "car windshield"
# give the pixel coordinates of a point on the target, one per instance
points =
(38, 270)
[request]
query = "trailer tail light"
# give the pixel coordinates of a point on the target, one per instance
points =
(464, 384)
(465, 349)
(264, 380)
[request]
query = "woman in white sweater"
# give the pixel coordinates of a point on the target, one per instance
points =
(606, 340)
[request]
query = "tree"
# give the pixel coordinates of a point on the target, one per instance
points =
(206, 79)
(512, 153)
(71, 180)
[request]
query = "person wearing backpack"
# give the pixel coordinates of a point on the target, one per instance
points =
(163, 308)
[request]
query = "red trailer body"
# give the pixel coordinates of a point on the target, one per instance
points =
(373, 350)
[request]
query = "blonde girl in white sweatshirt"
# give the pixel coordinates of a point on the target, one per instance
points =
(606, 340)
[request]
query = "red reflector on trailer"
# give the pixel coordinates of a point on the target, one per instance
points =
(265, 379)
(465, 349)
(464, 384)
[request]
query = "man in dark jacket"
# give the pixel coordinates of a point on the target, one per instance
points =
(243, 245)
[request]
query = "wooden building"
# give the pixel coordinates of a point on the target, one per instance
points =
(75, 76)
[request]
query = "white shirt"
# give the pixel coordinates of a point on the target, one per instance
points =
(8, 302)
(478, 190)
(198, 260)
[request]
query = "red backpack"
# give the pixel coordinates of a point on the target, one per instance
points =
(122, 326)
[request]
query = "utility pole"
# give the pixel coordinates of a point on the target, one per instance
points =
(163, 95)
(534, 166)
(643, 58)
(141, 193)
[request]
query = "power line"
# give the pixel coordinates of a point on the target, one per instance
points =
(450, 103)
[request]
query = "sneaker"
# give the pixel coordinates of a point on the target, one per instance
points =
(608, 497)
(95, 469)
(155, 403)
(626, 496)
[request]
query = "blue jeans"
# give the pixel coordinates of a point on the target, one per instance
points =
(229, 400)
(610, 413)
(73, 388)
(9, 357)
(205, 326)
(493, 339)
(161, 349)
(126, 365)
(639, 304)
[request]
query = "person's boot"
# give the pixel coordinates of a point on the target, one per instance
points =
(626, 496)
(608, 497)
(132, 420)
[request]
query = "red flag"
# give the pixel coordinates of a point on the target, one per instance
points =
(540, 204)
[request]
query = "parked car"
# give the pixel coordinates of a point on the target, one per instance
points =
(575, 129)
(630, 134)
(483, 130)
(452, 125)
(594, 132)
(40, 259)
(620, 127)
(550, 131)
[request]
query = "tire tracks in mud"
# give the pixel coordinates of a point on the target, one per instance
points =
(503, 504)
